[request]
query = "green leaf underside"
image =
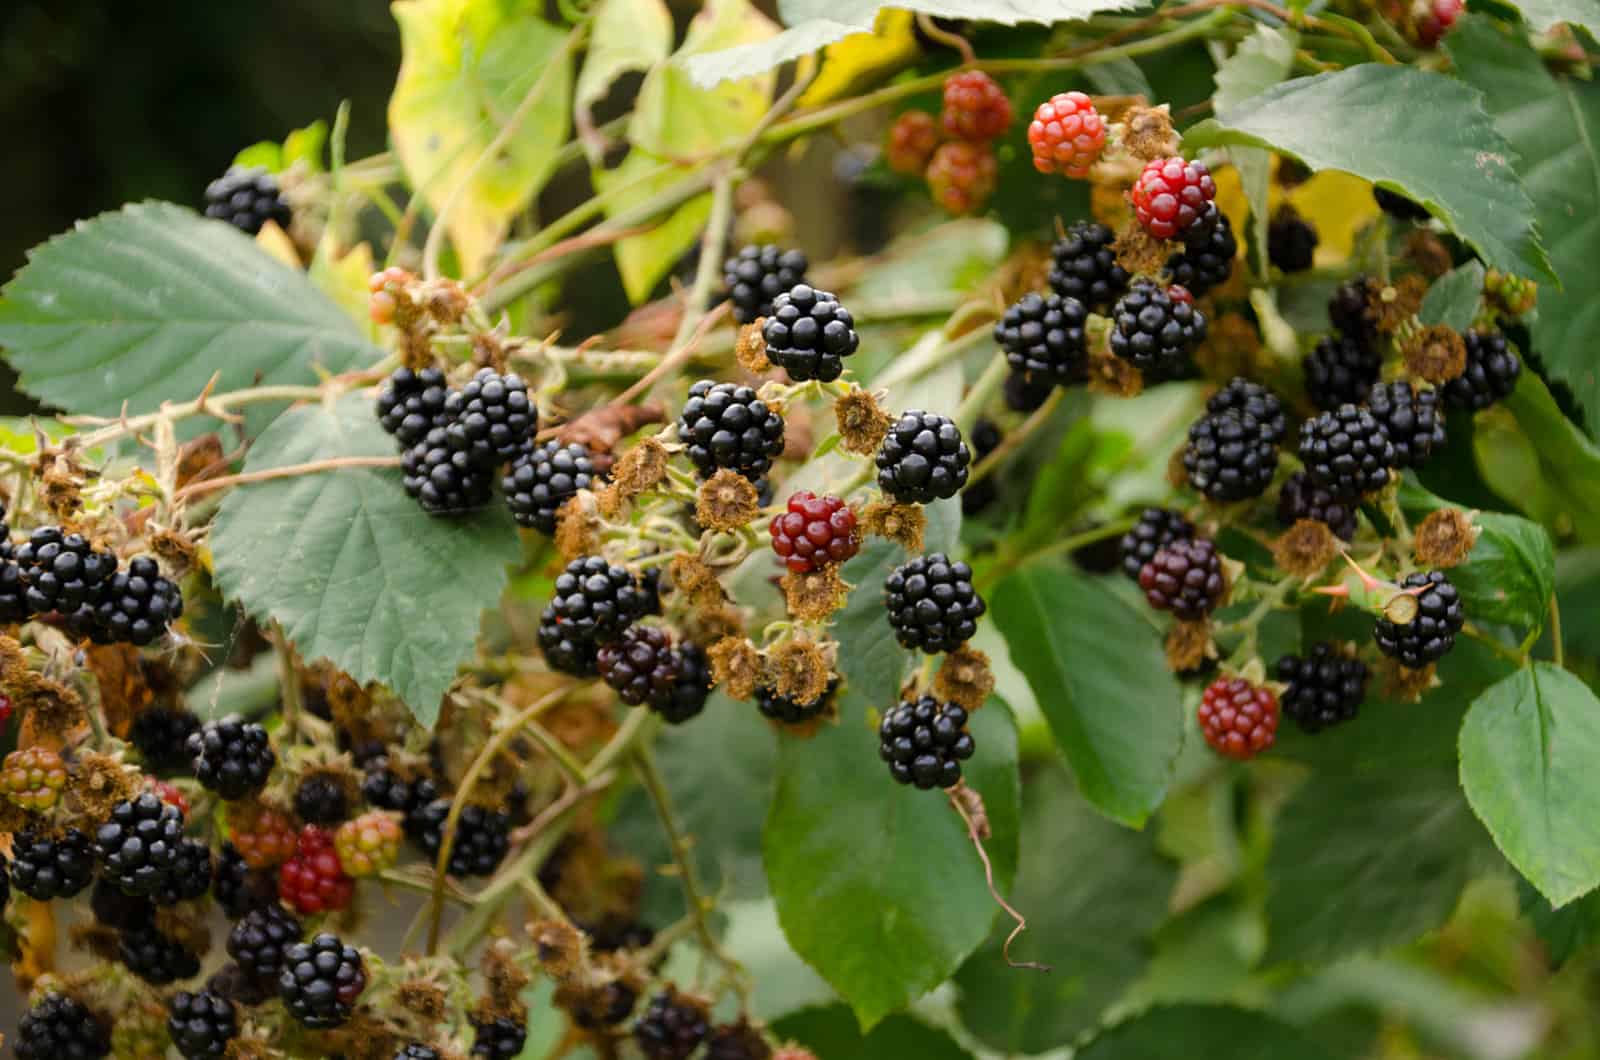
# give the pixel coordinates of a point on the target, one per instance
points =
(831, 1032)
(351, 567)
(1203, 1031)
(1528, 749)
(1440, 149)
(1567, 464)
(1099, 671)
(1542, 14)
(1453, 298)
(146, 304)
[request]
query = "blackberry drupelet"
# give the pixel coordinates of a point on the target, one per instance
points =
(924, 742)
(232, 757)
(1084, 266)
(1156, 529)
(1301, 498)
(1243, 397)
(1430, 635)
(498, 1039)
(137, 847)
(321, 799)
(592, 604)
(410, 404)
(1412, 419)
(247, 197)
(640, 665)
(161, 735)
(61, 1028)
(1206, 260)
(671, 1028)
(260, 940)
(789, 711)
(13, 593)
(1341, 371)
(1347, 451)
(1325, 687)
(1185, 577)
(808, 334)
(62, 572)
(492, 418)
(690, 690)
(1491, 372)
(1228, 456)
(137, 605)
(444, 480)
(1398, 206)
(384, 789)
(114, 908)
(1153, 330)
(1291, 241)
(154, 957)
(932, 604)
(757, 275)
(482, 836)
(1043, 336)
(541, 480)
(201, 1025)
(321, 981)
(238, 888)
(45, 867)
(190, 877)
(922, 458)
(724, 425)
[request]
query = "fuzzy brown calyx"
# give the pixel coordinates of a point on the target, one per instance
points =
(1405, 685)
(863, 423)
(641, 468)
(815, 595)
(736, 666)
(697, 582)
(1428, 253)
(1305, 549)
(504, 981)
(1148, 133)
(726, 501)
(1391, 305)
(50, 707)
(1189, 647)
(904, 524)
(1139, 252)
(1445, 538)
(99, 782)
(1435, 354)
(751, 348)
(1111, 375)
(562, 950)
(578, 527)
(707, 625)
(964, 678)
(801, 669)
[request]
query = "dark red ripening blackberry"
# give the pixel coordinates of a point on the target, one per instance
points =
(639, 665)
(1156, 529)
(1186, 578)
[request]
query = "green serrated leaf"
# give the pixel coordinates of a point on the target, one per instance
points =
(676, 118)
(1439, 150)
(146, 304)
(1262, 60)
(1098, 669)
(1528, 442)
(1203, 1030)
(1453, 299)
(348, 564)
(1528, 749)
(833, 1033)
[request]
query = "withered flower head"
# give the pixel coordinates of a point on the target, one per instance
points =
(1445, 538)
(736, 666)
(578, 527)
(504, 980)
(1405, 685)
(696, 581)
(726, 501)
(814, 596)
(1148, 133)
(1392, 305)
(800, 669)
(561, 948)
(863, 423)
(1141, 253)
(1189, 647)
(1305, 549)
(903, 524)
(99, 782)
(964, 678)
(707, 625)
(1428, 253)
(641, 468)
(1436, 354)
(1110, 374)
(751, 349)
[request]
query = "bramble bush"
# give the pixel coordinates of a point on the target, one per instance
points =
(1138, 599)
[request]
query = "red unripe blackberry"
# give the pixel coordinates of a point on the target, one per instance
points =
(137, 846)
(1066, 135)
(912, 140)
(1044, 335)
(975, 107)
(672, 1027)
(261, 836)
(814, 532)
(724, 425)
(1171, 195)
(1412, 418)
(1206, 260)
(639, 665)
(1185, 578)
(45, 867)
(757, 275)
(922, 459)
(1325, 687)
(491, 418)
(154, 957)
(1084, 266)
(924, 742)
(962, 176)
(1156, 529)
(1347, 451)
(61, 1028)
(313, 881)
(201, 1025)
(1431, 633)
(1491, 372)
(808, 334)
(410, 404)
(931, 603)
(1238, 719)
(1155, 327)
(247, 197)
(1438, 17)
(232, 757)
(321, 981)
(1301, 498)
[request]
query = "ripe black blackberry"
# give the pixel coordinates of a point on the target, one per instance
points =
(491, 418)
(1206, 260)
(1412, 418)
(161, 735)
(1153, 330)
(1491, 373)
(201, 1025)
(1185, 577)
(541, 480)
(384, 789)
(922, 458)
(45, 867)
(13, 593)
(1228, 456)
(1243, 397)
(1083, 266)
(482, 836)
(924, 742)
(247, 197)
(757, 275)
(410, 404)
(1043, 336)
(932, 604)
(593, 602)
(1341, 371)
(232, 757)
(137, 605)
(1349, 312)
(233, 983)
(416, 1051)
(61, 1028)
(1430, 635)
(1325, 687)
(261, 939)
(321, 799)
(672, 1027)
(724, 425)
(1398, 206)
(190, 878)
(808, 334)
(114, 908)
(154, 957)
(137, 847)
(501, 1038)
(442, 479)
(238, 888)
(1291, 241)
(1156, 529)
(789, 711)
(1025, 393)
(62, 572)
(1301, 498)
(737, 1041)
(639, 665)
(690, 689)
(321, 981)
(1347, 451)
(986, 438)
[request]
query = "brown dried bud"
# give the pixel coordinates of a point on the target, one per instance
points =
(1305, 549)
(964, 678)
(1436, 354)
(862, 422)
(425, 997)
(696, 581)
(201, 458)
(1392, 305)
(50, 707)
(1189, 647)
(561, 948)
(1110, 374)
(578, 527)
(1405, 685)
(1141, 253)
(445, 300)
(800, 669)
(175, 550)
(504, 979)
(99, 782)
(726, 501)
(814, 596)
(640, 468)
(707, 625)
(1445, 538)
(904, 524)
(751, 348)
(61, 480)
(736, 666)
(1428, 253)
(1148, 133)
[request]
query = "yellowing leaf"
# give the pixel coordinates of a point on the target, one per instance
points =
(627, 35)
(644, 259)
(276, 242)
(891, 44)
(466, 68)
(1339, 205)
(344, 279)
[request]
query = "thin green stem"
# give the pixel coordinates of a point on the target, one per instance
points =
(1087, 537)
(1474, 631)
(988, 384)
(1557, 649)
(708, 272)
(288, 683)
(1014, 440)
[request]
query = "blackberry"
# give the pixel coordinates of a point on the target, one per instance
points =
(61, 1028)
(1243, 397)
(1153, 330)
(1430, 635)
(190, 878)
(592, 604)
(737, 1041)
(1341, 371)
(1206, 260)
(1156, 529)
(61, 572)
(1301, 498)
(321, 981)
(1185, 577)
(498, 1039)
(13, 593)
(1228, 458)
(789, 711)
(138, 845)
(313, 880)
(724, 425)
(979, 495)
(808, 334)
(757, 275)
(482, 836)
(1412, 418)
(925, 742)
(321, 799)
(1398, 206)
(932, 604)
(1347, 451)
(137, 605)
(238, 888)
(45, 867)
(1491, 372)
(1084, 266)
(154, 957)
(443, 480)
(922, 458)
(114, 908)
(690, 690)
(1324, 687)
(247, 197)
(410, 404)
(1025, 393)
(1238, 719)
(541, 480)
(813, 532)
(1043, 336)
(416, 1051)
(492, 418)
(261, 938)
(1291, 241)
(605, 1006)
(384, 789)
(201, 1025)
(1349, 312)
(640, 666)
(232, 757)
(231, 982)
(671, 1028)
(161, 734)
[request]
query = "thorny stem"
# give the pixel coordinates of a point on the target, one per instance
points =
(207, 403)
(289, 471)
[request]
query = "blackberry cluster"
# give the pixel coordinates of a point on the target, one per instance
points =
(1043, 336)
(932, 604)
(321, 981)
(491, 418)
(161, 735)
(410, 404)
(1412, 419)
(1325, 687)
(1341, 371)
(1156, 529)
(498, 1039)
(1185, 577)
(154, 957)
(640, 665)
(592, 604)
(808, 334)
(482, 836)
(260, 940)
(787, 711)
(1153, 330)
(45, 867)
(321, 799)
(247, 198)
(232, 757)
(1347, 451)
(541, 480)
(1084, 266)
(137, 847)
(64, 574)
(1301, 498)
(442, 479)
(1291, 241)
(724, 425)
(137, 605)
(1491, 372)
(190, 877)
(1430, 635)
(201, 1025)
(1230, 457)
(924, 742)
(757, 275)
(61, 1028)
(922, 458)
(1206, 260)
(671, 1028)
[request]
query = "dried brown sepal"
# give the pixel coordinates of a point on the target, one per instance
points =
(964, 678)
(1110, 374)
(12, 660)
(1428, 253)
(1405, 685)
(175, 550)
(50, 707)
(445, 300)
(726, 501)
(601, 429)
(1141, 253)
(696, 581)
(863, 423)
(1435, 354)
(201, 458)
(1148, 133)
(1232, 348)
(800, 669)
(424, 997)
(1189, 647)
(61, 479)
(561, 949)
(816, 595)
(641, 468)
(1305, 549)
(736, 665)
(1177, 473)
(707, 625)
(904, 524)
(186, 925)
(751, 348)
(578, 527)
(1392, 305)
(100, 781)
(1445, 538)
(504, 981)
